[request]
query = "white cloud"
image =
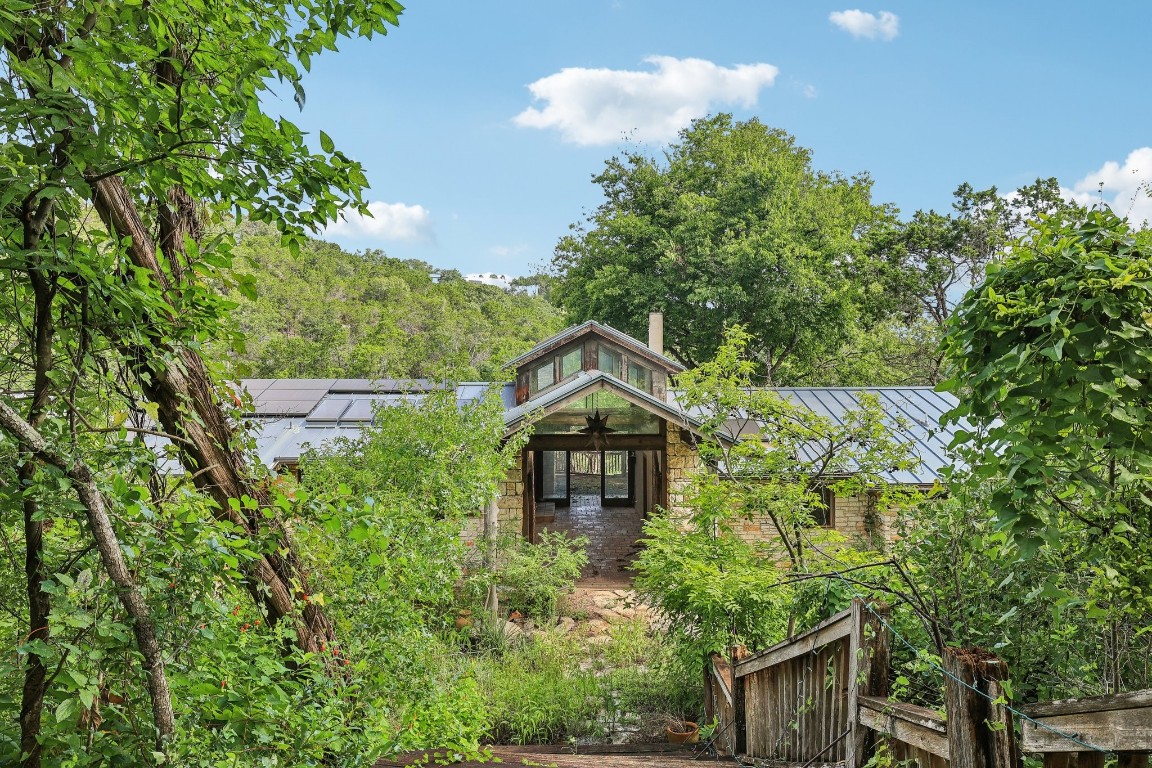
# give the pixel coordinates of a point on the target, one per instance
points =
(599, 106)
(1123, 187)
(389, 221)
(882, 26)
(810, 92)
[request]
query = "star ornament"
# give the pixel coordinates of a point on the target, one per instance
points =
(597, 429)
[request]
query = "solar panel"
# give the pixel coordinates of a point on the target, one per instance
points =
(330, 409)
(362, 409)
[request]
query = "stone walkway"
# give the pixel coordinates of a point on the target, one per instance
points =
(612, 532)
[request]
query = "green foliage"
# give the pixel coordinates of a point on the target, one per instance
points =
(531, 577)
(323, 312)
(715, 589)
(731, 226)
(388, 554)
(1051, 361)
(557, 687)
(766, 460)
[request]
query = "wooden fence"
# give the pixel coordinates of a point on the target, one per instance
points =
(823, 696)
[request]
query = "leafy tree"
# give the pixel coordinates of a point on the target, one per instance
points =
(930, 260)
(126, 131)
(1050, 359)
(732, 225)
(765, 459)
(324, 312)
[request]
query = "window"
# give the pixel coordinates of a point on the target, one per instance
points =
(610, 361)
(639, 377)
(571, 362)
(544, 376)
(553, 475)
(823, 512)
(617, 479)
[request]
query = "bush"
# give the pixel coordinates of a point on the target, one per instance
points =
(531, 577)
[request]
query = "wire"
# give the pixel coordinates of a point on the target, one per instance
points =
(926, 657)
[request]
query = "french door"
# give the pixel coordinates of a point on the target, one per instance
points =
(610, 475)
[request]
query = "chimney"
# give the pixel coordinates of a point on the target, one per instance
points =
(656, 332)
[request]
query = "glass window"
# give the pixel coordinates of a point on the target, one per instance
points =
(544, 376)
(572, 362)
(553, 475)
(610, 362)
(616, 485)
(639, 377)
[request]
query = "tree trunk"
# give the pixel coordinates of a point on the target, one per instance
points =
(99, 523)
(39, 602)
(187, 406)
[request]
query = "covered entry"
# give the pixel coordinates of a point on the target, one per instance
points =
(596, 403)
(602, 495)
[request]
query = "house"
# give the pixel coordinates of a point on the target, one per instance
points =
(609, 443)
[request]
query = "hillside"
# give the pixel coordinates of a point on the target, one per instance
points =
(329, 313)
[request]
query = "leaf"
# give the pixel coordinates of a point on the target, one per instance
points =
(66, 709)
(326, 143)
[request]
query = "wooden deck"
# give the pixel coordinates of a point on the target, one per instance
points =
(597, 756)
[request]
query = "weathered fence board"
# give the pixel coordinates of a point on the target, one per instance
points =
(720, 706)
(823, 694)
(1119, 723)
(916, 726)
(831, 629)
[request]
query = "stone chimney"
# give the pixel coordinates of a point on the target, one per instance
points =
(656, 332)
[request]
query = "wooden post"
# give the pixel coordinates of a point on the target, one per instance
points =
(709, 691)
(491, 530)
(1058, 760)
(980, 733)
(869, 651)
(1087, 759)
(739, 717)
(1131, 760)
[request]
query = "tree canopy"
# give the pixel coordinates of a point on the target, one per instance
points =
(730, 225)
(1051, 357)
(127, 131)
(324, 312)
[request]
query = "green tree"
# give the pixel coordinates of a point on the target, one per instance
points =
(324, 312)
(1050, 360)
(127, 131)
(766, 459)
(732, 225)
(930, 260)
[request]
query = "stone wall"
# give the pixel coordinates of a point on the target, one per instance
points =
(511, 502)
(683, 461)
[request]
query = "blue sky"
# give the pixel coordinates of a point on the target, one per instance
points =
(481, 124)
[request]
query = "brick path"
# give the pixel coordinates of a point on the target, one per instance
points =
(612, 531)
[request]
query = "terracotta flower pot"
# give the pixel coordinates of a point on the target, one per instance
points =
(689, 736)
(463, 619)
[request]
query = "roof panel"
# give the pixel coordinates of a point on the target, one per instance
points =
(329, 409)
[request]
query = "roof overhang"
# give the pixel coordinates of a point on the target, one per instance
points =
(584, 384)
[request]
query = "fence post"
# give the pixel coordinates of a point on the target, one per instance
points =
(869, 649)
(739, 718)
(980, 732)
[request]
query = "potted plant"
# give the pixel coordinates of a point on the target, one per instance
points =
(681, 731)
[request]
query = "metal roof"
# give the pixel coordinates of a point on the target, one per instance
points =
(913, 414)
(289, 415)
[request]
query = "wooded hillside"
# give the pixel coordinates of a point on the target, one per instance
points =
(327, 312)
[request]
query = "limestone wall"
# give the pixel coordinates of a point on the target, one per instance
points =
(511, 502)
(683, 461)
